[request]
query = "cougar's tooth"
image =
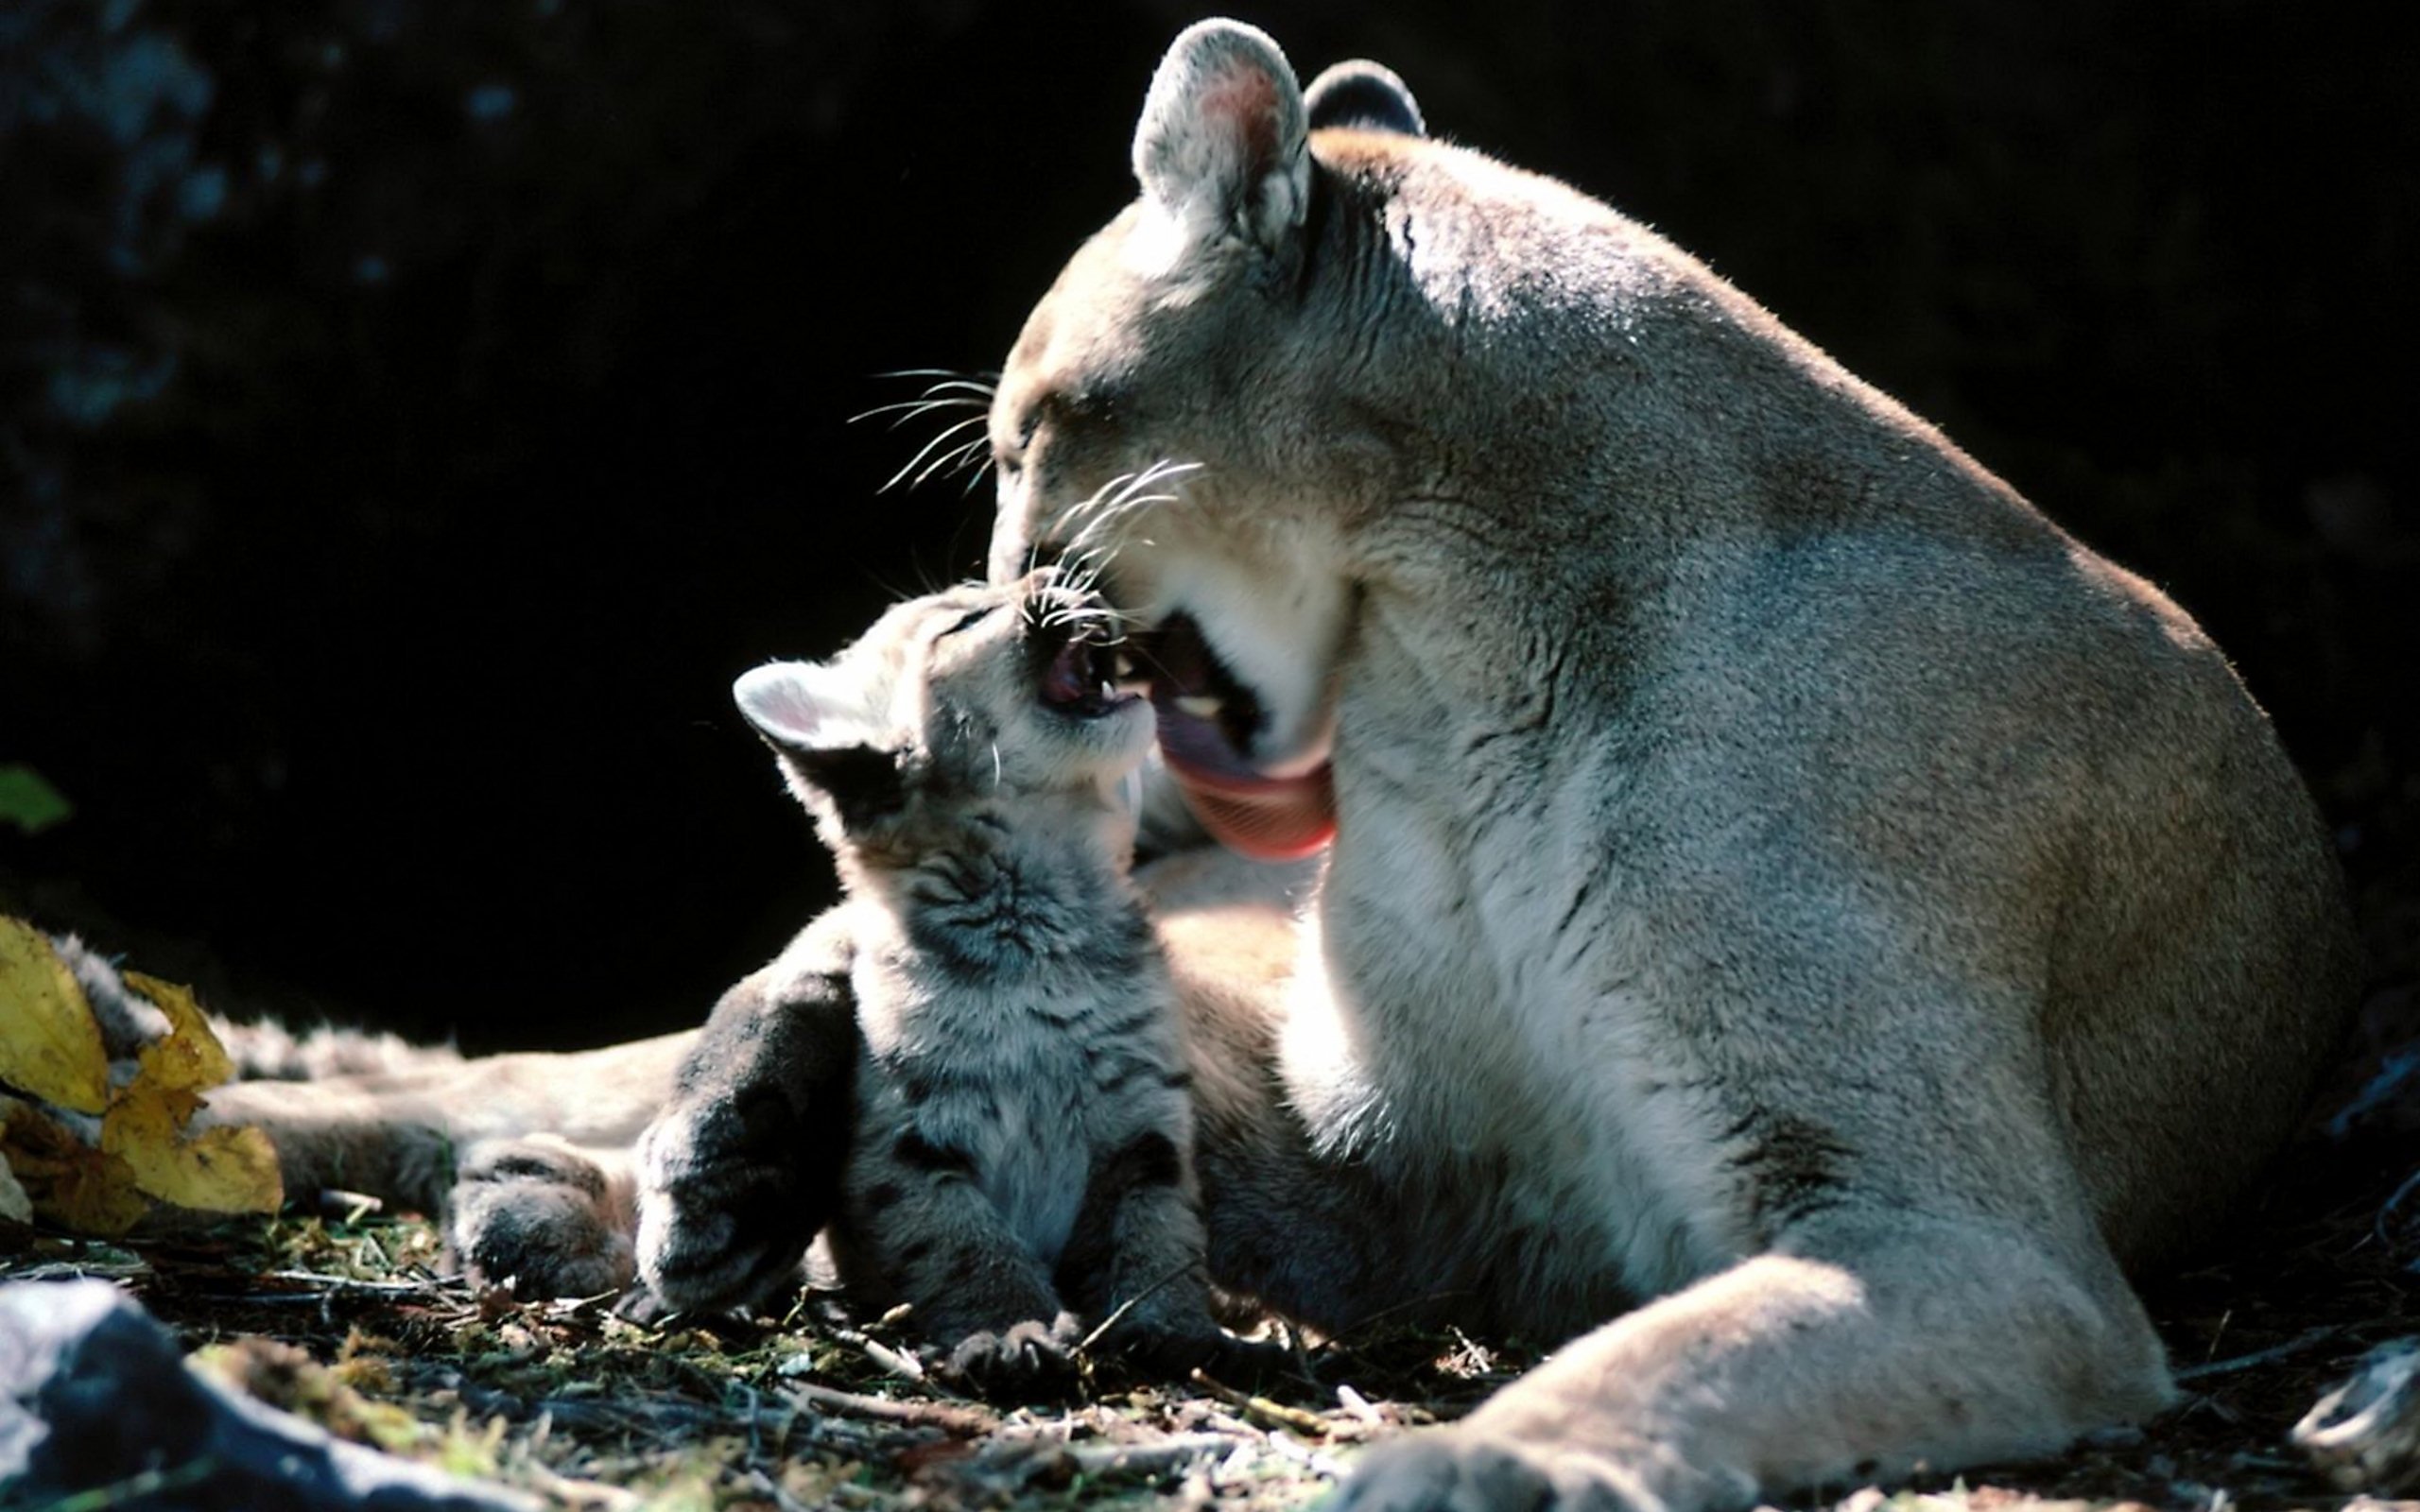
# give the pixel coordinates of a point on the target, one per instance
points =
(1200, 705)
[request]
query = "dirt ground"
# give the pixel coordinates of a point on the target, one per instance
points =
(353, 1320)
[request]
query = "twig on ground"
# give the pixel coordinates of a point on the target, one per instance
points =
(1359, 1407)
(1265, 1411)
(358, 1287)
(1323, 1465)
(963, 1421)
(1084, 1344)
(2259, 1357)
(1162, 1457)
(897, 1362)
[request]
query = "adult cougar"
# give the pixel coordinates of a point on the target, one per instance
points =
(1786, 899)
(1777, 876)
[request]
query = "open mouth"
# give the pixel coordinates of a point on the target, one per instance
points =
(1087, 678)
(1208, 719)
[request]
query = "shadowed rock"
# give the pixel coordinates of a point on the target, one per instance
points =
(95, 1394)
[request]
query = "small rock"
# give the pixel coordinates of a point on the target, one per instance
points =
(94, 1394)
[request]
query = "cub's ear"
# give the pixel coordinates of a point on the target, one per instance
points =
(1364, 95)
(816, 717)
(1220, 145)
(805, 706)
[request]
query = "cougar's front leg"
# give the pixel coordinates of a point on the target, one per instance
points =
(397, 1134)
(1882, 1341)
(743, 1165)
(1924, 1280)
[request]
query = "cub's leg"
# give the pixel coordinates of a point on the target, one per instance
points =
(1133, 1265)
(543, 1217)
(743, 1165)
(919, 1230)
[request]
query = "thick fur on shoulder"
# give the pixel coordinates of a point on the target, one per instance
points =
(1776, 871)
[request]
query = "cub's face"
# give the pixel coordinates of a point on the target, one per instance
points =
(1175, 413)
(978, 695)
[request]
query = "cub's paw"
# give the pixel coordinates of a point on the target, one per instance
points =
(1247, 1361)
(724, 1218)
(1023, 1361)
(1175, 1352)
(1449, 1469)
(540, 1219)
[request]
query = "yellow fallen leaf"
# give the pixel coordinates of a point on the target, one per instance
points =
(50, 1046)
(189, 1057)
(218, 1170)
(72, 1184)
(49, 1042)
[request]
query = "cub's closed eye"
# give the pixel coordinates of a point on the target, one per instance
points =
(966, 622)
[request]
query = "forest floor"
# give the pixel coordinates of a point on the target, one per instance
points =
(353, 1321)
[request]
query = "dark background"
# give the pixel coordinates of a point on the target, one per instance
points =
(413, 413)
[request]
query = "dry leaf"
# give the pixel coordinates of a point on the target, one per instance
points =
(72, 1184)
(50, 1046)
(218, 1170)
(144, 1154)
(189, 1057)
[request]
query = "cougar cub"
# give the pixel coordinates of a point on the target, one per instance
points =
(1021, 1157)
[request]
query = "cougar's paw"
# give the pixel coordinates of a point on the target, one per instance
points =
(1448, 1469)
(723, 1217)
(1033, 1359)
(540, 1219)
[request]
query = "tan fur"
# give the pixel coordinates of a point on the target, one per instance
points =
(1779, 871)
(402, 1135)
(1801, 924)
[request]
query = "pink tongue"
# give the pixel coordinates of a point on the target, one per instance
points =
(1267, 819)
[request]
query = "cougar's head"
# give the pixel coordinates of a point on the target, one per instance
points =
(1191, 412)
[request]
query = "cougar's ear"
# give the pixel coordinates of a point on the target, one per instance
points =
(819, 720)
(1365, 95)
(1219, 149)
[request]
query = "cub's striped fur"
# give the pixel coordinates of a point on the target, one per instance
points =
(1022, 1150)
